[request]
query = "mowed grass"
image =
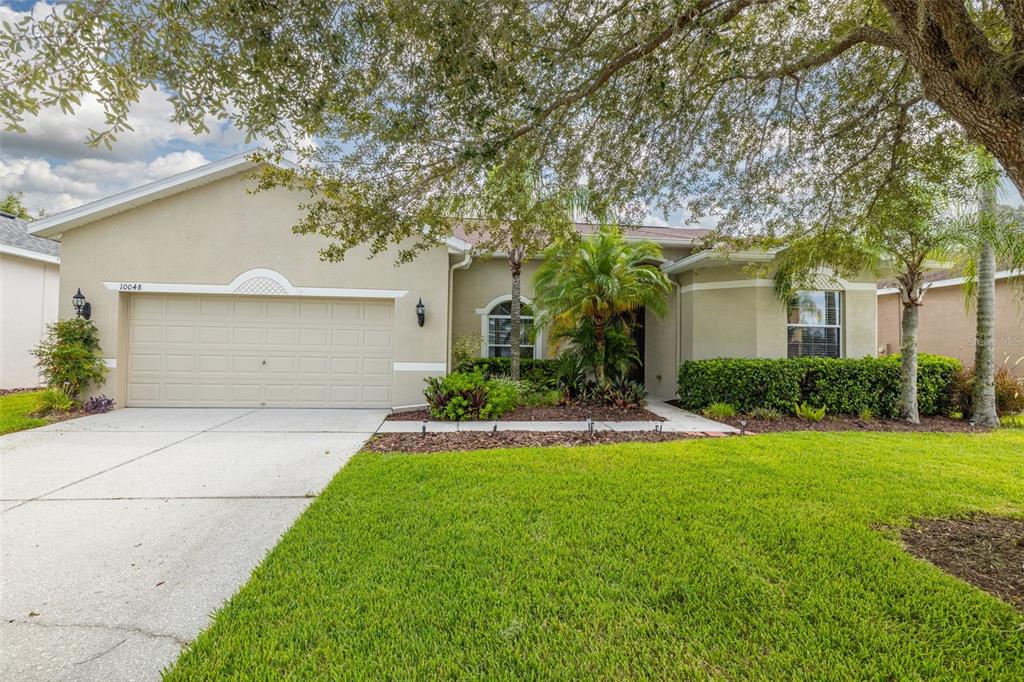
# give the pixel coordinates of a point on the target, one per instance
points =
(15, 409)
(768, 557)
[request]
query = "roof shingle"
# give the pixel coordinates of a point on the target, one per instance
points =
(14, 232)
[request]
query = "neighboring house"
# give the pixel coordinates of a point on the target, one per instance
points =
(29, 284)
(204, 296)
(947, 325)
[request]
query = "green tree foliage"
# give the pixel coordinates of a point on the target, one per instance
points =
(69, 356)
(771, 113)
(12, 205)
(594, 289)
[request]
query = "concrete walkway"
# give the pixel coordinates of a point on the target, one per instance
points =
(676, 421)
(121, 533)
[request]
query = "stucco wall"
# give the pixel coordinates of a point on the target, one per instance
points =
(28, 302)
(482, 282)
(732, 311)
(211, 234)
(947, 327)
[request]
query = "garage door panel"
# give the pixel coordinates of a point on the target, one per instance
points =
(252, 351)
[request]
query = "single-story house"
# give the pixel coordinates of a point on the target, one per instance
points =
(947, 326)
(29, 284)
(203, 296)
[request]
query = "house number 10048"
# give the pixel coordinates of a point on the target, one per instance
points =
(130, 286)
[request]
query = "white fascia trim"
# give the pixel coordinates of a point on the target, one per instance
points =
(31, 255)
(952, 282)
(711, 258)
(420, 367)
(80, 215)
(261, 273)
(843, 285)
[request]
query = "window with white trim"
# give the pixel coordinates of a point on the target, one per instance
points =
(814, 324)
(499, 331)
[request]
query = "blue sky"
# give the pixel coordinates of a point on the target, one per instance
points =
(54, 169)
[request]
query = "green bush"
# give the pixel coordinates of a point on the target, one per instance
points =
(462, 396)
(719, 411)
(765, 414)
(841, 386)
(542, 374)
(53, 400)
(69, 356)
(1009, 392)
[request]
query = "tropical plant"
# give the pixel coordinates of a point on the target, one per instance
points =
(808, 412)
(719, 411)
(53, 400)
(466, 348)
(596, 288)
(866, 415)
(98, 404)
(1008, 389)
(69, 356)
(468, 395)
(623, 393)
(767, 414)
(13, 204)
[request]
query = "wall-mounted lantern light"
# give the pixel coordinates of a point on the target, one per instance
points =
(82, 307)
(421, 313)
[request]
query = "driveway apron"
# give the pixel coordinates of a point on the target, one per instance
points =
(121, 533)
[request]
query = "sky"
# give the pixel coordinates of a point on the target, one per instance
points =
(55, 170)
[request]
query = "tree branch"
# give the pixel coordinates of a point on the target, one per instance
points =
(860, 36)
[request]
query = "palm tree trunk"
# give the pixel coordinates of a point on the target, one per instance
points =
(908, 362)
(984, 350)
(515, 263)
(599, 342)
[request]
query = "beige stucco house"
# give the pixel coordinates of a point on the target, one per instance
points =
(204, 297)
(29, 283)
(947, 326)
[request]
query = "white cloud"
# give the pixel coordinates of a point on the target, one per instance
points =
(56, 187)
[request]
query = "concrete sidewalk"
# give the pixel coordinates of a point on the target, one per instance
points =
(676, 421)
(121, 533)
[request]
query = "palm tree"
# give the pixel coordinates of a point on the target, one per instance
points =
(599, 282)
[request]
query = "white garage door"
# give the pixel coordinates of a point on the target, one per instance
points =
(186, 350)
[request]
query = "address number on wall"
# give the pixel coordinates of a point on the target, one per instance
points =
(129, 286)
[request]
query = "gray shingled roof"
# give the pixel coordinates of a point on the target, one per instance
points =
(14, 232)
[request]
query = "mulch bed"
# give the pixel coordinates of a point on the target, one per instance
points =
(986, 551)
(932, 424)
(483, 440)
(560, 413)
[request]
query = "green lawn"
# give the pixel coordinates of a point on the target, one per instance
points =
(760, 557)
(14, 412)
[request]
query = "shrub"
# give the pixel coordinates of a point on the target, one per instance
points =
(719, 411)
(809, 413)
(466, 348)
(1009, 392)
(765, 414)
(541, 373)
(1012, 421)
(468, 395)
(98, 404)
(866, 415)
(69, 356)
(623, 394)
(841, 386)
(53, 400)
(503, 395)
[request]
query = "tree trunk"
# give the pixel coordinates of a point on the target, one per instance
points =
(515, 263)
(908, 362)
(599, 340)
(984, 350)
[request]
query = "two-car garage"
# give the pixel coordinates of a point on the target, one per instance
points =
(244, 350)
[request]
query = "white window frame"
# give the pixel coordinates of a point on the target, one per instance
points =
(840, 312)
(485, 314)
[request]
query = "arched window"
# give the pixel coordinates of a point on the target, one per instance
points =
(499, 331)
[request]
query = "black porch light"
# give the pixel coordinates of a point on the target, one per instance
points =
(82, 307)
(421, 313)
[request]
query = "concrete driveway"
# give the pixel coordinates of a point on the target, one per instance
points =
(121, 533)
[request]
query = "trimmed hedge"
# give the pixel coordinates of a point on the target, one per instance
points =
(540, 373)
(841, 386)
